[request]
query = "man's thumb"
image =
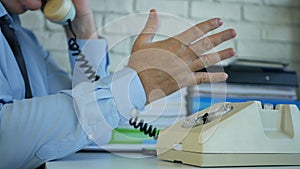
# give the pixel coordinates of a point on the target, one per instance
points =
(150, 28)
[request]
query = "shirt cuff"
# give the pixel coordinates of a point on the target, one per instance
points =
(128, 91)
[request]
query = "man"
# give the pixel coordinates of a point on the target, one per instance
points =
(54, 119)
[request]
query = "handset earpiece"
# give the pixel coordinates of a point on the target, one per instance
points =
(59, 11)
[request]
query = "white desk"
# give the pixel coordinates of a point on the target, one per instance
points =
(97, 160)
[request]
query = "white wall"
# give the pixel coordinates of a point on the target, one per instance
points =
(267, 29)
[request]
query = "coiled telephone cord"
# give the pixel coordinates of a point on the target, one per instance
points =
(80, 57)
(144, 127)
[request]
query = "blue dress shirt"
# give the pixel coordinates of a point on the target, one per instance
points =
(65, 114)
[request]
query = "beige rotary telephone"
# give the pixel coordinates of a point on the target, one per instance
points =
(234, 134)
(58, 11)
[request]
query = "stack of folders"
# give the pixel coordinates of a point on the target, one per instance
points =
(159, 114)
(267, 84)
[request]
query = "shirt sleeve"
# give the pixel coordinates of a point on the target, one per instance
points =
(37, 130)
(100, 106)
(45, 128)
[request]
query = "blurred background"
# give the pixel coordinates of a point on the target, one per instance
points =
(268, 37)
(268, 30)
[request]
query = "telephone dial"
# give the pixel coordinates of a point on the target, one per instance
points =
(234, 134)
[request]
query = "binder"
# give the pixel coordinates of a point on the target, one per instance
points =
(258, 75)
(262, 76)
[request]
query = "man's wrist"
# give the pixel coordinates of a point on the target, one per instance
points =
(84, 27)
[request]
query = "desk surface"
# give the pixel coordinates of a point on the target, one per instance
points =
(96, 160)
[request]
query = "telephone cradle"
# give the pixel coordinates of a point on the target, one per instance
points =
(234, 134)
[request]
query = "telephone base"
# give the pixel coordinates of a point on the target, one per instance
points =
(234, 134)
(231, 160)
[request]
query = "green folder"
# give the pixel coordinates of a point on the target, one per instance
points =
(129, 136)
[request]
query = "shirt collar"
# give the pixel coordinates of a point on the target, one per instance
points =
(12, 18)
(4, 12)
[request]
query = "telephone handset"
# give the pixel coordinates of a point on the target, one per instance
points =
(58, 11)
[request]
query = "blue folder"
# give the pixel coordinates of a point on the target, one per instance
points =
(196, 104)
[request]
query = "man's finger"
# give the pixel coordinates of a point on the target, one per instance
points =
(211, 59)
(212, 41)
(198, 30)
(204, 77)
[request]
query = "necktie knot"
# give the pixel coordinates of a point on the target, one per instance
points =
(4, 20)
